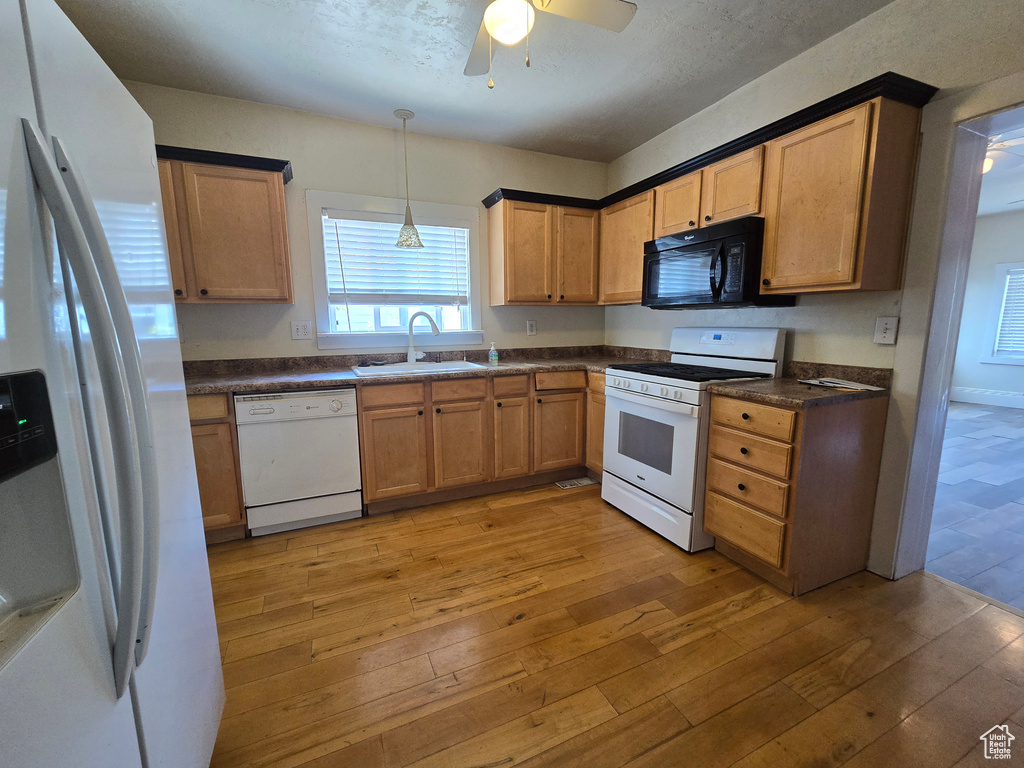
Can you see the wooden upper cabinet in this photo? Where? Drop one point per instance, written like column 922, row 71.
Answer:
column 731, row 188
column 171, row 224
column 462, row 443
column 837, row 201
column 677, row 205
column 528, row 250
column 238, row 234
column 577, row 236
column 625, row 227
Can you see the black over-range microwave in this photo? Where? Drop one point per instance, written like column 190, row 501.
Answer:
column 714, row 266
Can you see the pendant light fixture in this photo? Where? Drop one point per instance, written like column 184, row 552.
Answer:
column 409, row 236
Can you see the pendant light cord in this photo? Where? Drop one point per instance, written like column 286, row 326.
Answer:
column 405, row 147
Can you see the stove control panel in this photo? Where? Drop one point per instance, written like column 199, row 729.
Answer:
column 654, row 389
column 718, row 338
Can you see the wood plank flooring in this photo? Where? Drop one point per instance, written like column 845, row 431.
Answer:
column 545, row 628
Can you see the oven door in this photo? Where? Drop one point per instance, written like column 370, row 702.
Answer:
column 684, row 276
column 652, row 443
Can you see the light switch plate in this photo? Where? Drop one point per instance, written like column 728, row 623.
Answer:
column 885, row 330
column 302, row 329
column 531, row 327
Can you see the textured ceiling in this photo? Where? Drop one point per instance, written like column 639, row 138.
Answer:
column 589, row 94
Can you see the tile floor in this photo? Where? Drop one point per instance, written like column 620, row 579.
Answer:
column 977, row 535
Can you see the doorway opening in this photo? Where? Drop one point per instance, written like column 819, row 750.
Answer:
column 976, row 537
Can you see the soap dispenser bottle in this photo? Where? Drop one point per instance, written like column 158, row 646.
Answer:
column 492, row 356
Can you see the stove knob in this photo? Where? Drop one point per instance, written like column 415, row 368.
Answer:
column 625, row 383
column 677, row 395
column 335, row 406
column 664, row 391
column 644, row 387
column 616, row 382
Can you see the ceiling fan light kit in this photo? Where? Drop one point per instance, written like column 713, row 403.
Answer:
column 509, row 21
column 408, row 235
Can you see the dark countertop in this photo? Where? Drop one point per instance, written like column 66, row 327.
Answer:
column 790, row 393
column 280, row 381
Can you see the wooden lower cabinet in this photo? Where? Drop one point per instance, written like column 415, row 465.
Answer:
column 595, row 422
column 462, row 443
column 791, row 491
column 395, row 457
column 558, row 430
column 215, row 446
column 511, row 437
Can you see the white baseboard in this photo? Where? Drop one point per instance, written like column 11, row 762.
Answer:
column 987, row 397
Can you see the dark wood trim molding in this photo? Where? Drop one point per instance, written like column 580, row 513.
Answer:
column 889, row 85
column 284, row 167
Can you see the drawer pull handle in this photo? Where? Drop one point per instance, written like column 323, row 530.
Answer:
column 743, row 451
column 742, row 487
column 746, row 416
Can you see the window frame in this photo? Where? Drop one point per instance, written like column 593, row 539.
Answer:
column 389, row 209
column 988, row 353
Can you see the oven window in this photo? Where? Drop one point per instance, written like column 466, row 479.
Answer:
column 646, row 441
column 676, row 274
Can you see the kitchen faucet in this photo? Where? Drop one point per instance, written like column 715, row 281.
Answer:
column 413, row 355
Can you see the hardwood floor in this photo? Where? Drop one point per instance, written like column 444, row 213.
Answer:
column 545, row 628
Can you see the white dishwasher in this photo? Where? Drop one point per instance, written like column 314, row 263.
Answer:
column 299, row 455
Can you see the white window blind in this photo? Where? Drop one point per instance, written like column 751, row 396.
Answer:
column 1010, row 333
column 364, row 266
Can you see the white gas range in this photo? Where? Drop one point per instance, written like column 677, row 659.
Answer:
column 656, row 425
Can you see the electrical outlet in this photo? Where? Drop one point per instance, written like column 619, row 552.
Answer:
column 302, row 330
column 885, row 330
column 531, row 327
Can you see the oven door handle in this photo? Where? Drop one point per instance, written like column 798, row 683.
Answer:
column 683, row 409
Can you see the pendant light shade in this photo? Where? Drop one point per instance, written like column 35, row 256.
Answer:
column 408, row 236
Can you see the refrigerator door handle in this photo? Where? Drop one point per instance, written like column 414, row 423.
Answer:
column 115, row 396
column 117, row 302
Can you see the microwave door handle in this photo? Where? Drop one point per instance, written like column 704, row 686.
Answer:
column 716, row 286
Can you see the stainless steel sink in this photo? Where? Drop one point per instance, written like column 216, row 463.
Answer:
column 397, row 369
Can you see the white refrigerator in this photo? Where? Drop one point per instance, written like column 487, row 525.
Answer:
column 109, row 655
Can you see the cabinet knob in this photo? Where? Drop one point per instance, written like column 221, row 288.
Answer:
column 742, row 487
column 437, row 410
column 539, row 400
column 203, row 291
column 499, row 405
column 693, row 223
column 746, row 416
column 178, row 291
column 707, row 218
column 562, row 296
column 766, row 281
column 549, row 295
column 743, row 451
column 419, row 413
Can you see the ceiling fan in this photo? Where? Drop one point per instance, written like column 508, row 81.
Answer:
column 509, row 21
column 1005, row 149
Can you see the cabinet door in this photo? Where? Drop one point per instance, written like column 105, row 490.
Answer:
column 462, row 443
column 677, row 205
column 217, row 472
column 595, row 431
column 528, row 257
column 576, row 246
column 558, row 431
column 731, row 188
column 395, row 455
column 511, row 437
column 625, row 227
column 171, row 223
column 238, row 234
column 814, row 194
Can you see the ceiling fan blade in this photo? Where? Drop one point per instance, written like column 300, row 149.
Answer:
column 609, row 14
column 1006, row 160
column 479, row 62
column 1003, row 143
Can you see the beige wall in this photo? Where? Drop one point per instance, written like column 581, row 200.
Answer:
column 957, row 46
column 998, row 239
column 343, row 156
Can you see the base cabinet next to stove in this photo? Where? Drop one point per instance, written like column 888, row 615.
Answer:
column 790, row 492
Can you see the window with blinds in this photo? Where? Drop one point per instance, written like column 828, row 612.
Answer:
column 373, row 286
column 1010, row 330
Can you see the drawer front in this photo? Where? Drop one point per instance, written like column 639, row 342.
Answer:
column 458, row 389
column 753, row 417
column 511, row 386
column 595, row 382
column 749, row 487
column 560, row 380
column 750, row 451
column 754, row 533
column 206, row 407
column 385, row 395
